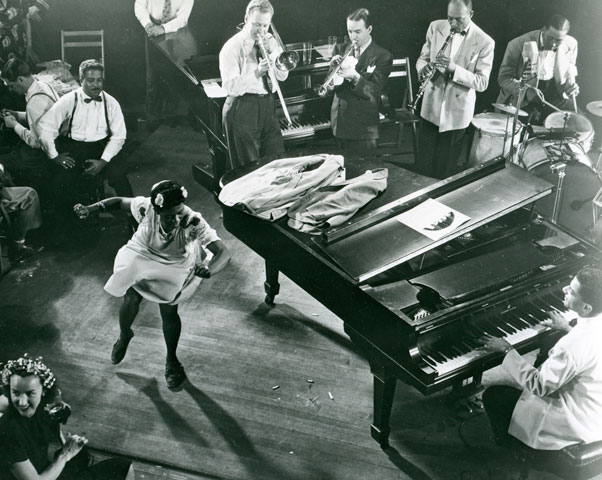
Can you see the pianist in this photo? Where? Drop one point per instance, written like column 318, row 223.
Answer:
column 354, row 113
column 561, row 402
column 249, row 114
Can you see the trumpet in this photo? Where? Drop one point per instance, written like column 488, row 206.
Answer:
column 332, row 79
column 286, row 61
column 427, row 78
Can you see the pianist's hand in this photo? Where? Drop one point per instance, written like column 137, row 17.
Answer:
column 495, row 344
column 557, row 322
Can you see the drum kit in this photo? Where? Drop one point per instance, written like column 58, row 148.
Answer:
column 556, row 151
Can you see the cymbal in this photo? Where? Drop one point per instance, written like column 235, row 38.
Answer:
column 595, row 108
column 511, row 109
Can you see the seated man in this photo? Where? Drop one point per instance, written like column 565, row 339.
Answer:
column 560, row 403
column 26, row 163
column 553, row 74
column 94, row 133
column 23, row 207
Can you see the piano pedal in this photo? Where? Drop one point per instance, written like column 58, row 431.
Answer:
column 463, row 400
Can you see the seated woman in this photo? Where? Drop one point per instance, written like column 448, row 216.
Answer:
column 32, row 445
column 163, row 262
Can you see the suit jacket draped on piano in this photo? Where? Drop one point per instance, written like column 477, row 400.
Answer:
column 354, row 113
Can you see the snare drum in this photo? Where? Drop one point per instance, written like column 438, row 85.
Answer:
column 488, row 140
column 575, row 122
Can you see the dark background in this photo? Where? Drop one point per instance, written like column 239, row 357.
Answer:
column 399, row 25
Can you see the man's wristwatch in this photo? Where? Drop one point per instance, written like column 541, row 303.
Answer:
column 508, row 349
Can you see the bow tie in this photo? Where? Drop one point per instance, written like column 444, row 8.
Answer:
column 95, row 99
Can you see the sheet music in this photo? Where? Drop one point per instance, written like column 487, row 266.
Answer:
column 214, row 89
column 433, row 219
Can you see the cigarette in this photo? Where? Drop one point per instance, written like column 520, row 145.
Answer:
column 309, row 380
column 330, row 395
column 275, row 387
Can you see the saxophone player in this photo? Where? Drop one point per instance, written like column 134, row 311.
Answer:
column 458, row 71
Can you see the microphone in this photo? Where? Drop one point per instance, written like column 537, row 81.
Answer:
column 530, row 54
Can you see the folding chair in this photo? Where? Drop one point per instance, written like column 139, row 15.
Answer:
column 83, row 39
column 400, row 114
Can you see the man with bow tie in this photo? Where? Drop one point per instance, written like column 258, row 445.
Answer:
column 82, row 134
column 553, row 74
column 460, row 70
column 354, row 116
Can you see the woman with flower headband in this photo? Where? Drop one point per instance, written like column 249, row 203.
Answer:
column 32, row 445
column 163, row 262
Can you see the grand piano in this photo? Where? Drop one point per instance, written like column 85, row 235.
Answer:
column 417, row 307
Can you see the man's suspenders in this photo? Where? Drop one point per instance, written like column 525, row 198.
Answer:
column 109, row 133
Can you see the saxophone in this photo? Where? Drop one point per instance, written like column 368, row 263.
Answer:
column 426, row 79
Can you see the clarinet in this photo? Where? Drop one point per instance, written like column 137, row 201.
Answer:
column 427, row 77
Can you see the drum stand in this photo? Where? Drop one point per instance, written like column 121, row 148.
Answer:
column 559, row 168
column 514, row 158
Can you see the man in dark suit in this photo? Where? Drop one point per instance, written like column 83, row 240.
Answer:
column 354, row 114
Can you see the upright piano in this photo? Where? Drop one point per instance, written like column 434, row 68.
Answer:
column 416, row 306
column 179, row 61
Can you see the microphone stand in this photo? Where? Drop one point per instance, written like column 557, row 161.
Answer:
column 559, row 168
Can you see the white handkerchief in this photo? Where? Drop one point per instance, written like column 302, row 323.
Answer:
column 370, row 68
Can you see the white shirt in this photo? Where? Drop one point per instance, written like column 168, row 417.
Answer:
column 561, row 403
column 89, row 123
column 180, row 11
column 39, row 97
column 363, row 47
column 546, row 61
column 456, row 42
column 238, row 62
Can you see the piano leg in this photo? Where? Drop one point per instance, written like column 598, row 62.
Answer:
column 384, row 390
column 271, row 285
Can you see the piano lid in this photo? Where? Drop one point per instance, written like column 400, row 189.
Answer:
column 383, row 245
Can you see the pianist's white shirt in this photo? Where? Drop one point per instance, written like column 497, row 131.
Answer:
column 561, row 403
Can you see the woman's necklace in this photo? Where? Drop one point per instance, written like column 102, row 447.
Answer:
column 163, row 233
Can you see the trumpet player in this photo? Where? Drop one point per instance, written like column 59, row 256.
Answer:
column 458, row 71
column 249, row 113
column 354, row 113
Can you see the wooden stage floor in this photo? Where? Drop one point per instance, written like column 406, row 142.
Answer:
column 229, row 421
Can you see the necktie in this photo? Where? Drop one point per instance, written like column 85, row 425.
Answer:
column 265, row 78
column 166, row 15
column 356, row 52
column 95, row 99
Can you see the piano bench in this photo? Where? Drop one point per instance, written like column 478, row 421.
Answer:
column 576, row 462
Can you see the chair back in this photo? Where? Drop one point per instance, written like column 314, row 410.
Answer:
column 83, row 39
column 399, row 85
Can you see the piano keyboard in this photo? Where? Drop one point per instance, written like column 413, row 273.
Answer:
column 515, row 325
column 305, row 128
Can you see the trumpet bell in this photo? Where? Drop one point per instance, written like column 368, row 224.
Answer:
column 287, row 61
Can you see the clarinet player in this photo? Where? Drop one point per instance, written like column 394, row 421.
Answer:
column 458, row 65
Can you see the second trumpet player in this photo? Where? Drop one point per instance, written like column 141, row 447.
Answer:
column 355, row 107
